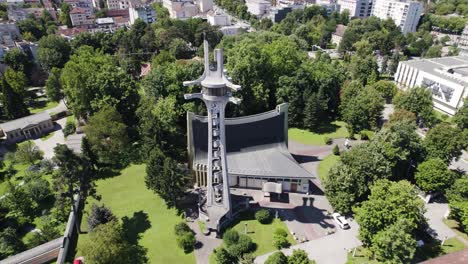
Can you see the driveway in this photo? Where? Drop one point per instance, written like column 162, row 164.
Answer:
column 331, row 249
column 435, row 215
column 48, row 145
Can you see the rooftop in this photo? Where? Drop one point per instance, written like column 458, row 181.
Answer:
column 24, row 122
column 453, row 69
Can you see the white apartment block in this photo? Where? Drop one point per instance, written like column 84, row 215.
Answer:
column 356, row 8
column 138, row 10
column 405, row 13
column 181, row 9
column 446, row 77
column 258, row 7
column 463, row 41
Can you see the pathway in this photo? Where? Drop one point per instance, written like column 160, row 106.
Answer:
column 332, row 249
column 48, row 145
column 205, row 244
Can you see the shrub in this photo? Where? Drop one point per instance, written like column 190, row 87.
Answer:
column 336, row 150
column 181, row 228
column 299, row 256
column 243, row 245
column 223, row 257
column 263, row 216
column 364, row 136
column 328, row 140
column 277, row 258
column 99, row 215
column 281, row 232
column 247, row 259
column 230, row 237
column 186, row 241
column 69, row 129
column 280, row 239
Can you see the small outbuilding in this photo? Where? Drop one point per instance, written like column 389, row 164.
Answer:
column 28, row 127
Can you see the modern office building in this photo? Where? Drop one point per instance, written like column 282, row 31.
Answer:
column 447, row 78
column 356, row 8
column 405, row 13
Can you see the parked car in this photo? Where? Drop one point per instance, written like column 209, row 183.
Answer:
column 340, row 220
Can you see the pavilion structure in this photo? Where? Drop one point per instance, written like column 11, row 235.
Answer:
column 215, row 204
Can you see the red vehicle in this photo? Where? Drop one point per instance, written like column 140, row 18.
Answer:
column 78, row 260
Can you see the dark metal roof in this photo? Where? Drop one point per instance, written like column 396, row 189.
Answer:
column 256, row 145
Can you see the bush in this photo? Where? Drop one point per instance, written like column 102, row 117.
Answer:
column 69, row 129
column 99, row 215
column 223, row 257
column 336, row 150
column 186, row 241
column 230, row 237
column 247, row 259
column 38, row 189
column 328, row 140
column 280, row 239
column 281, row 232
column 277, row 258
column 243, row 245
column 299, row 256
column 263, row 216
column 364, row 136
column 181, row 228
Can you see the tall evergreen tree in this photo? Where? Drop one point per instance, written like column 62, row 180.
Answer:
column 13, row 104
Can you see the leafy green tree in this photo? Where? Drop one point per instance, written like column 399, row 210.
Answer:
column 107, row 244
column 30, row 29
column 445, row 142
column 417, row 100
column 47, row 233
column 10, row 242
column 387, row 89
column 434, row 52
column 53, row 86
column 280, row 239
column 384, row 208
column 315, row 109
column 186, row 241
column 277, row 258
column 299, row 256
column 458, row 201
column 99, row 215
column 433, row 176
column 394, row 244
column 17, row 81
column 402, row 115
column 17, row 60
column 165, row 177
column 53, row 51
column 180, row 49
column 107, row 135
column 19, row 204
column 363, row 66
column 28, row 153
column 222, row 256
column 92, row 81
column 243, row 246
column 38, row 189
column 461, row 117
column 65, row 19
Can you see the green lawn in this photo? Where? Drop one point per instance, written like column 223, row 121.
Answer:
column 336, row 129
column 20, row 172
column 126, row 195
column 47, row 136
column 455, row 226
column 325, row 165
column 42, row 108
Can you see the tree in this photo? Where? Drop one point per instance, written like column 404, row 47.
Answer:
column 186, row 241
column 100, row 215
column 314, row 110
column 363, row 66
column 165, row 177
column 394, row 244
column 17, row 81
column 107, row 244
column 38, row 189
column 445, row 142
column 222, row 256
column 181, row 228
column 433, row 176
column 277, row 258
column 417, row 100
column 53, row 86
column 387, row 89
column 384, row 207
column 28, row 153
column 179, row 49
column 10, row 242
column 230, row 237
column 53, row 51
column 19, row 204
column 280, row 239
column 458, row 201
column 402, row 115
column 65, row 19
column 299, row 256
column 17, row 60
column 107, row 135
column 47, row 233
column 461, row 117
column 434, row 52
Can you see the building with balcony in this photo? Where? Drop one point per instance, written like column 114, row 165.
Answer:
column 356, row 8
column 404, row 13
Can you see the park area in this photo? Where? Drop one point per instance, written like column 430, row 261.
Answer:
column 129, row 199
column 336, row 129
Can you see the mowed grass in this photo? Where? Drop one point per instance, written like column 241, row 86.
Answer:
column 326, row 164
column 336, row 129
column 20, row 172
column 48, row 105
column 127, row 194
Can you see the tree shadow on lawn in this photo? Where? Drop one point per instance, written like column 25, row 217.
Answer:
column 325, row 128
column 135, row 226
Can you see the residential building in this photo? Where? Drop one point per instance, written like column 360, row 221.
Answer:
column 446, row 77
column 70, row 33
column 29, row 127
column 139, row 10
column 405, row 13
column 113, row 4
column 356, row 8
column 258, row 7
column 232, row 30
column 279, row 13
column 181, row 9
column 205, row 5
column 463, row 41
column 218, row 19
column 337, row 36
column 9, row 29
column 16, row 13
column 80, row 16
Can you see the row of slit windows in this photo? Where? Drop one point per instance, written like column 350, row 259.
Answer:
column 20, row 133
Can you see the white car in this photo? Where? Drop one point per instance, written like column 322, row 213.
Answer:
column 340, row 220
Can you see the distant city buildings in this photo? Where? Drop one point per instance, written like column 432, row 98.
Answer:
column 337, row 36
column 181, row 9
column 258, row 7
column 139, row 10
column 405, row 13
column 356, row 8
column 463, row 42
column 218, row 19
column 446, row 77
column 81, row 16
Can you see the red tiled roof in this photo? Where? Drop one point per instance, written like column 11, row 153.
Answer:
column 459, row 257
column 78, row 10
column 70, row 32
column 340, row 29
